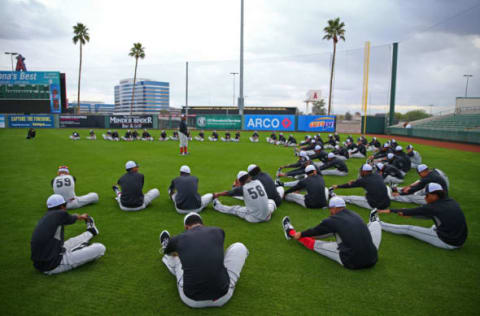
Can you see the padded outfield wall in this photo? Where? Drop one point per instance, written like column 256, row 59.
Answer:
column 437, row 134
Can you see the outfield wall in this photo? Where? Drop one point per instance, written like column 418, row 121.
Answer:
column 437, row 134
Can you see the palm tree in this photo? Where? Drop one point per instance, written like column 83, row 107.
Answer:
column 136, row 51
column 81, row 36
column 335, row 30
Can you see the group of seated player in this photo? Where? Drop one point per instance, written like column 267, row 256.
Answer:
column 206, row 274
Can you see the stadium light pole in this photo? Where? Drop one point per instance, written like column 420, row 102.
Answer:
column 241, row 99
column 466, row 86
column 234, row 74
column 11, row 56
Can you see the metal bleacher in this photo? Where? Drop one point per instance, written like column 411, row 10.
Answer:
column 458, row 122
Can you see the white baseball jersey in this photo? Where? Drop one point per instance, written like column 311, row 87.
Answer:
column 255, row 198
column 65, row 186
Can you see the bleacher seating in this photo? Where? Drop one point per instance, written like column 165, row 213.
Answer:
column 458, row 122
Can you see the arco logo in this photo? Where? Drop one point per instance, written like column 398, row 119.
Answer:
column 286, row 123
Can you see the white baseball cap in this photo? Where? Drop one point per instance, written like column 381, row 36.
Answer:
column 330, row 155
column 337, row 146
column 55, row 200
column 185, row 169
column 130, row 164
column 241, row 174
column 251, row 167
column 190, row 215
column 313, row 141
column 318, row 147
column 336, row 202
column 303, row 154
column 421, row 168
column 390, row 156
column 63, row 169
column 398, row 148
column 379, row 166
column 432, row 187
column 386, row 145
column 310, row 168
column 366, row 167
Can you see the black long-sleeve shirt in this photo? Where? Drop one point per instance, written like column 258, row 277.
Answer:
column 315, row 186
column 187, row 197
column 320, row 155
column 356, row 247
column 342, row 151
column 406, row 163
column 47, row 239
column 360, row 148
column 183, row 127
column 273, row 136
column 432, row 176
column 145, row 135
column 201, row 252
column 282, row 138
column 389, row 170
column 331, row 141
column 291, row 140
column 377, row 194
column 375, row 143
column 335, row 163
column 269, row 186
column 132, row 185
column 448, row 217
column 215, row 135
column 382, row 153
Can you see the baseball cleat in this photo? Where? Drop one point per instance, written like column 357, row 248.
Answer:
column 164, row 239
column 374, row 216
column 215, row 202
column 287, row 226
column 91, row 226
column 331, row 193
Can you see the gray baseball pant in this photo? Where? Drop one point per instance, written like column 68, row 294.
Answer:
column 206, row 199
column 245, row 213
column 147, row 199
column 334, row 172
column 80, row 201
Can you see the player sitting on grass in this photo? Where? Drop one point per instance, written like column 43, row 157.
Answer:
column 31, row 133
column 450, row 228
column 281, row 140
column 376, row 195
column 49, row 253
column 183, row 191
column 415, row 192
column 274, row 192
column 341, row 152
column 389, row 173
column 319, row 154
column 163, row 136
column 317, row 194
column 91, row 135
column 359, row 150
column 131, row 197
column 200, row 137
column 206, row 274
column 108, row 135
column 374, row 145
column 309, row 148
column 64, row 184
column 258, row 207
column 254, row 137
column 146, row 135
column 115, row 136
column 237, row 137
column 381, row 154
column 414, row 156
column 213, row 137
column 272, row 139
column 291, row 141
column 227, row 137
column 174, row 136
column 356, row 245
column 134, row 135
column 331, row 142
column 300, row 165
column 75, row 136
column 334, row 166
column 128, row 136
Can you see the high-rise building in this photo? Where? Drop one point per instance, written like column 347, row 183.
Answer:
column 150, row 96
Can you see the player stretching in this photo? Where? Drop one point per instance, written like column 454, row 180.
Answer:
column 91, row 135
column 356, row 245
column 254, row 137
column 146, row 135
column 75, row 136
column 317, row 194
column 206, row 274
column 64, row 184
column 49, row 253
column 200, row 137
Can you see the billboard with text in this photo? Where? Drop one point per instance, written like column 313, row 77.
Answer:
column 134, row 121
column 269, row 122
column 35, row 121
column 218, row 122
column 316, row 123
column 75, row 121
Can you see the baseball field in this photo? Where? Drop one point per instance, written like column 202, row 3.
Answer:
column 280, row 277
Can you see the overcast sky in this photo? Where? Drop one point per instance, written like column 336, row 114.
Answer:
column 285, row 56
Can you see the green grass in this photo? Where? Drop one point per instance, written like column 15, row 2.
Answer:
column 280, row 277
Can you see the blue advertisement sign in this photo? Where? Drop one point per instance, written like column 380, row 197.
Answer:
column 2, row 121
column 316, row 123
column 269, row 122
column 32, row 85
column 35, row 121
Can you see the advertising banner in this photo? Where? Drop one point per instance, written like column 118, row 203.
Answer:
column 134, row 121
column 2, row 121
column 75, row 121
column 32, row 85
column 270, row 122
column 35, row 121
column 316, row 123
column 219, row 122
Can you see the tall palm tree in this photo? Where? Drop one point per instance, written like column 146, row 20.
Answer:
column 136, row 51
column 334, row 30
column 81, row 36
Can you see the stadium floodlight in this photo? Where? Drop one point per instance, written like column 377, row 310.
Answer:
column 11, row 56
column 466, row 86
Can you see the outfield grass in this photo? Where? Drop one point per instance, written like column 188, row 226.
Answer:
column 280, row 277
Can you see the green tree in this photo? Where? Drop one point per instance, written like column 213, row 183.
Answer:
column 348, row 116
column 415, row 115
column 333, row 31
column 80, row 36
column 136, row 51
column 318, row 107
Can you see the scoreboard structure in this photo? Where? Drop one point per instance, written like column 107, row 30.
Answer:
column 32, row 92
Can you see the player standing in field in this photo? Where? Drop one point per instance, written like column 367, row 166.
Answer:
column 49, row 253
column 64, row 185
column 356, row 245
column 206, row 274
column 183, row 134
column 258, row 208
column 183, row 191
